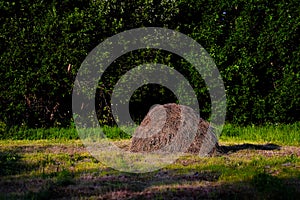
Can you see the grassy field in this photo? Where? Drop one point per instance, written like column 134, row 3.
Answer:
column 283, row 134
column 256, row 163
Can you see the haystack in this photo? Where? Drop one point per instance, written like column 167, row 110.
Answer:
column 173, row 127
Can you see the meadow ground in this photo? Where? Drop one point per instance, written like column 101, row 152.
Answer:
column 63, row 169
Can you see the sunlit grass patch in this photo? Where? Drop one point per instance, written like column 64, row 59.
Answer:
column 283, row 134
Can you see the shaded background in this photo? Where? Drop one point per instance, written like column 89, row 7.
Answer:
column 255, row 46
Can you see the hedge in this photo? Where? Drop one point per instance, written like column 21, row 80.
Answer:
column 255, row 45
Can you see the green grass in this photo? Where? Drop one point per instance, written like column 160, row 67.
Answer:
column 283, row 134
column 16, row 133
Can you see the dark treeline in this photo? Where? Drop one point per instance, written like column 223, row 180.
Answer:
column 255, row 45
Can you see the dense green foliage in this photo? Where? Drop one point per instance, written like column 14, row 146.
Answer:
column 255, row 45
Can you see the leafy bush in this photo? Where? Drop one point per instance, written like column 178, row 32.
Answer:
column 2, row 128
column 254, row 44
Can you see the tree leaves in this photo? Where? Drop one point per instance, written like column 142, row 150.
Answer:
column 255, row 46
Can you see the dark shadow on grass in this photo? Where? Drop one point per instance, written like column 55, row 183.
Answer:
column 172, row 184
column 104, row 186
column 11, row 163
column 239, row 147
column 260, row 187
column 50, row 148
column 161, row 184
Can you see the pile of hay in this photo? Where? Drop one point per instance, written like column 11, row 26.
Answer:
column 168, row 127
